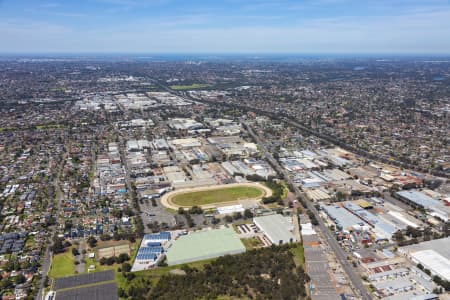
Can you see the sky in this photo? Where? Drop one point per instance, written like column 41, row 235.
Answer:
column 225, row 26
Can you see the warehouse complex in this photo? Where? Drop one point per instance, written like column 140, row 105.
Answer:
column 277, row 228
column 204, row 245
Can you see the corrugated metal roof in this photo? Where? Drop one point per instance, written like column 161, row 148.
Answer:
column 433, row 261
column 276, row 227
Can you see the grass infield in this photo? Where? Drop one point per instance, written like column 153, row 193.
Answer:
column 217, row 196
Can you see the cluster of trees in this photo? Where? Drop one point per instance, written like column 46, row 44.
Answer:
column 139, row 226
column 235, row 216
column 268, row 273
column 9, row 282
column 277, row 192
column 414, row 235
column 187, row 215
column 117, row 236
column 138, row 223
column 196, row 210
column 123, row 257
column 138, row 289
column 312, row 217
column 155, row 226
column 14, row 264
column 117, row 213
column 255, row 177
column 59, row 245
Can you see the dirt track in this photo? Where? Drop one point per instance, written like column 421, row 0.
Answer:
column 166, row 199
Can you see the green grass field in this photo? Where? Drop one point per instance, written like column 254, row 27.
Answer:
column 194, row 86
column 62, row 264
column 217, row 196
column 299, row 254
column 251, row 243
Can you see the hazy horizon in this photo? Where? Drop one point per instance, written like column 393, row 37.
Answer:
column 254, row 27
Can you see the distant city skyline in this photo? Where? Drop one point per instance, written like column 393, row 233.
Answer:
column 226, row 27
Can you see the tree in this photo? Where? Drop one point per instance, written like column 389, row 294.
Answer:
column 68, row 225
column 196, row 210
column 228, row 219
column 105, row 237
column 5, row 284
column 413, row 232
column 237, row 216
column 111, row 260
column 248, row 214
column 92, row 241
column 340, row 196
column 398, row 236
column 126, row 267
column 130, row 276
column 20, row 278
column 75, row 252
column 58, row 246
column 122, row 258
column 121, row 293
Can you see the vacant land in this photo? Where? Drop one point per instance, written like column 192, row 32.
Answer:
column 299, row 255
column 194, row 86
column 63, row 264
column 217, row 196
column 252, row 243
column 114, row 250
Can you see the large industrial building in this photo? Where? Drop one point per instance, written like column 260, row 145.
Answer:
column 277, row 228
column 382, row 229
column 344, row 220
column 434, row 255
column 204, row 245
column 421, row 200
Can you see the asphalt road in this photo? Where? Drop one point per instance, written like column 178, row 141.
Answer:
column 47, row 262
column 340, row 254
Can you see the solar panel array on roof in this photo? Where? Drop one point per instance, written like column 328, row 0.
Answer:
column 153, row 244
column 151, row 256
column 162, row 236
column 147, row 250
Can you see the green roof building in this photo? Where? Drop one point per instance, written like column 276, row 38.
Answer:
column 204, row 245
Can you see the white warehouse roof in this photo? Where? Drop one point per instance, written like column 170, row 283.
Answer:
column 433, row 261
column 276, row 227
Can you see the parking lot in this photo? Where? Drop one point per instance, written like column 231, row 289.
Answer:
column 159, row 213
